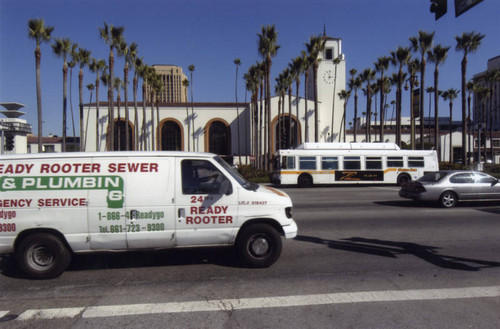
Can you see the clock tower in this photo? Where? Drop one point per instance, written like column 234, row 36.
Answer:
column 331, row 80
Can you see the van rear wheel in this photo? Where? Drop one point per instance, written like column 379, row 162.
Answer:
column 259, row 245
column 42, row 256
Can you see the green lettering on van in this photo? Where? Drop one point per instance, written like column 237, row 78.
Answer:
column 113, row 184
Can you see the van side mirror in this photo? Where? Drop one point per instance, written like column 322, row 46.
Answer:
column 225, row 187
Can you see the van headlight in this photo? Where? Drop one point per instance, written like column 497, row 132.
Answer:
column 288, row 212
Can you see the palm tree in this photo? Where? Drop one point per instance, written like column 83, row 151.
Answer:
column 307, row 65
column 185, row 84
column 367, row 77
column 400, row 57
column 118, row 85
column 429, row 90
column 492, row 76
column 268, row 48
column 137, row 65
column 237, row 62
column 96, row 66
column 90, row 87
column 468, row 43
column 344, row 95
column 450, row 95
column 83, row 57
column 471, row 87
column 335, row 61
column 413, row 66
column 252, row 85
column 297, row 68
column 40, row 33
column 62, row 48
column 288, row 80
column 314, row 48
column 381, row 66
column 191, row 70
column 422, row 44
column 128, row 52
column 438, row 56
column 113, row 37
column 355, row 84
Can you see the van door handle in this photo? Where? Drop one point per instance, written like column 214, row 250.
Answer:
column 181, row 213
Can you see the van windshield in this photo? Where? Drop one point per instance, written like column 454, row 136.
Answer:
column 236, row 175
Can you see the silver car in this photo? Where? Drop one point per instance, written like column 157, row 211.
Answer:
column 450, row 187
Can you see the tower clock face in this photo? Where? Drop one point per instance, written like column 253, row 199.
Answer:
column 329, row 77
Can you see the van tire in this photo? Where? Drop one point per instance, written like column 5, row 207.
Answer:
column 259, row 245
column 42, row 256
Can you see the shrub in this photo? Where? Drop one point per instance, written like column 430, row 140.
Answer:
column 253, row 174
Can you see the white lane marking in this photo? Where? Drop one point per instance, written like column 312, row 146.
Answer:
column 396, row 189
column 3, row 313
column 51, row 313
column 262, row 302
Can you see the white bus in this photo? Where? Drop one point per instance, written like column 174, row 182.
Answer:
column 351, row 163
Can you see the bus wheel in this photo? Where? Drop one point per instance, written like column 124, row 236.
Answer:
column 403, row 179
column 42, row 256
column 259, row 245
column 305, row 180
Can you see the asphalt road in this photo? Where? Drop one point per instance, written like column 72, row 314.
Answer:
column 364, row 258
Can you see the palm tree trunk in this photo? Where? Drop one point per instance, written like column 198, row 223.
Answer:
column 65, row 105
column 38, row 58
column 436, row 112
column 97, row 113
column 80, row 93
column 125, row 80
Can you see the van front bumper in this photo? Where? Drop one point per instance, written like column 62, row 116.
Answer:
column 290, row 230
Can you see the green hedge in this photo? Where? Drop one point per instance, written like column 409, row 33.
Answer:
column 253, row 174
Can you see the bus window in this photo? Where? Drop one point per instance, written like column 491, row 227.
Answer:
column 288, row 162
column 417, row 162
column 395, row 162
column 352, row 163
column 373, row 163
column 328, row 163
column 308, row 163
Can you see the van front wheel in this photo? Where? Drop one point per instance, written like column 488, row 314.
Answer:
column 42, row 256
column 259, row 245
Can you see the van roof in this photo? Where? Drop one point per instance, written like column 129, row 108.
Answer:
column 117, row 154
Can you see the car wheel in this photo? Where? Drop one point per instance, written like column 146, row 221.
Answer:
column 42, row 256
column 448, row 199
column 259, row 245
column 305, row 180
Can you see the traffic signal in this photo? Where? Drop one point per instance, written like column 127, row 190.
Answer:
column 9, row 141
column 439, row 8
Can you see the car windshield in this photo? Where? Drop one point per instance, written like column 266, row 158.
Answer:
column 432, row 177
column 236, row 175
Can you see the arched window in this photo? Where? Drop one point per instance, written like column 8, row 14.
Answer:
column 219, row 138
column 120, row 136
column 285, row 133
column 171, row 136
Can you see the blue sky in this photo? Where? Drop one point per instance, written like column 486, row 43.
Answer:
column 211, row 33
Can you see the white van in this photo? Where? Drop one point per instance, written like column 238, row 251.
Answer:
column 53, row 205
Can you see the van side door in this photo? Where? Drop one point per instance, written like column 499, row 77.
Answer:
column 206, row 203
column 106, row 208
column 150, row 211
